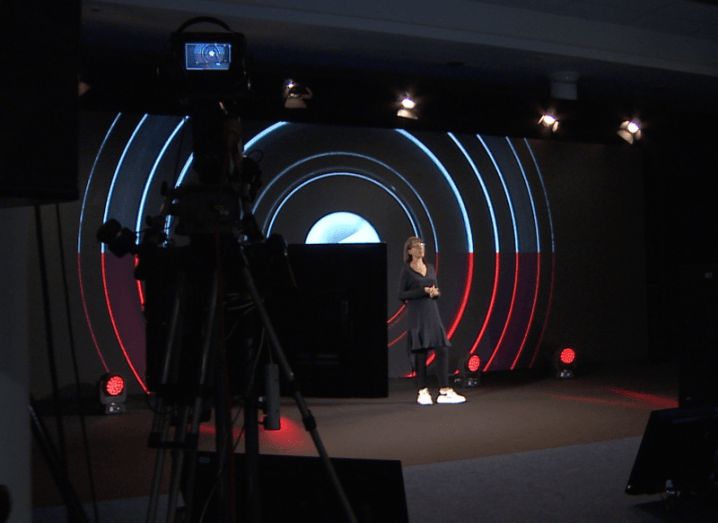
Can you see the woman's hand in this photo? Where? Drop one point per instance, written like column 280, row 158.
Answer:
column 432, row 291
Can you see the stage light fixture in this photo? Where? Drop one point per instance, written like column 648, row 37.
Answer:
column 564, row 362
column 82, row 86
column 408, row 103
column 407, row 109
column 549, row 121
column 470, row 371
column 112, row 393
column 630, row 131
column 295, row 95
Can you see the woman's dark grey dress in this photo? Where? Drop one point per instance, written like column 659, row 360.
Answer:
column 424, row 329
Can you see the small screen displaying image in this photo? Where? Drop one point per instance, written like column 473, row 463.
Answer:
column 208, row 56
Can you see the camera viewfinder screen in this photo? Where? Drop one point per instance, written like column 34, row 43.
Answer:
column 207, row 56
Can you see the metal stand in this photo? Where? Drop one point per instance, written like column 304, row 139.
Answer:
column 75, row 512
column 185, row 415
column 308, row 419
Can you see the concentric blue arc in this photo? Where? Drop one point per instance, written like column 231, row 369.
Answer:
column 116, row 174
column 153, row 171
column 180, row 180
column 450, row 181
column 330, row 175
column 89, row 180
column 490, row 204
column 364, row 157
column 259, row 136
column 545, row 194
column 186, row 168
column 528, row 191
column 506, row 191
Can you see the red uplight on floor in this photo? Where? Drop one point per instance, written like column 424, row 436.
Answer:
column 112, row 392
column 474, row 363
column 568, row 356
column 115, row 385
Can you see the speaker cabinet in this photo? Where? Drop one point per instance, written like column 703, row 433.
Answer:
column 39, row 102
column 699, row 337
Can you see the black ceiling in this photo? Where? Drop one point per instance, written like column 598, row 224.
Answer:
column 356, row 75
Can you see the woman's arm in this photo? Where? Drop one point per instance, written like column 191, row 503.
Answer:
column 407, row 291
column 432, row 291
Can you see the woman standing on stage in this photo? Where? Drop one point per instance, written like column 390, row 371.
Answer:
column 425, row 332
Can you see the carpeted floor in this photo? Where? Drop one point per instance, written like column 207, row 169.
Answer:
column 576, row 484
column 519, row 446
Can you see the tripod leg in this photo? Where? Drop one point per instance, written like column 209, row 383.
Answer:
column 188, row 430
column 178, row 455
column 161, row 420
column 184, row 446
column 161, row 428
column 251, row 439
column 308, row 419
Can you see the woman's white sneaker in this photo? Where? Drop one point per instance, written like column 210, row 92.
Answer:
column 449, row 396
column 424, row 398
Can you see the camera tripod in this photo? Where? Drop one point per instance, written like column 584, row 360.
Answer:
column 182, row 401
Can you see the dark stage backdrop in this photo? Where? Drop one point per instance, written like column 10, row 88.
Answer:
column 536, row 243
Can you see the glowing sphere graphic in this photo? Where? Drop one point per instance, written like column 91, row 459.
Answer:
column 342, row 227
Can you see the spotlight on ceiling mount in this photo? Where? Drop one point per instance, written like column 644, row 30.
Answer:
column 82, row 86
column 630, row 131
column 408, row 103
column 295, row 95
column 407, row 109
column 549, row 121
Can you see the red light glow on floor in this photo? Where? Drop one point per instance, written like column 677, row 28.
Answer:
column 658, row 401
column 290, row 437
column 638, row 400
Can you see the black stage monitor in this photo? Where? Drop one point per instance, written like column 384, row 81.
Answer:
column 297, row 488
column 679, row 445
column 331, row 325
column 333, row 330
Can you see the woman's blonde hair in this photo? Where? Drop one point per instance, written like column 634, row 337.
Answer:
column 407, row 245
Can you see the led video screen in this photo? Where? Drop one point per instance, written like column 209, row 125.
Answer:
column 534, row 242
